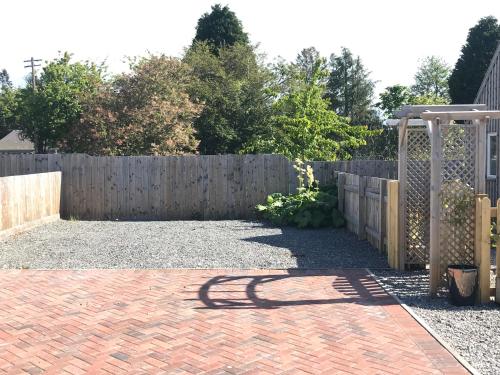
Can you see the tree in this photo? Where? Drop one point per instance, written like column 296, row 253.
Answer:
column 385, row 146
column 350, row 88
column 5, row 81
column 477, row 52
column 234, row 87
column 393, row 98
column 220, row 28
column 431, row 79
column 306, row 62
column 47, row 114
column 8, row 104
column 303, row 126
column 145, row 112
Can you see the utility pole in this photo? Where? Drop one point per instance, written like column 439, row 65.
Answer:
column 33, row 63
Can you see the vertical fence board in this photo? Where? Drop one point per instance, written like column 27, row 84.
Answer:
column 27, row 200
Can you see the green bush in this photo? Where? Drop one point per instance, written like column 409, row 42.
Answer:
column 310, row 207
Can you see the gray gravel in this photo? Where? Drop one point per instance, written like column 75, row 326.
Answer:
column 184, row 244
column 474, row 332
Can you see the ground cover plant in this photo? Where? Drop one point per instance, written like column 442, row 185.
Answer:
column 311, row 206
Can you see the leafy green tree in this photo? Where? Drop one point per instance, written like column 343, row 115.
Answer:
column 220, row 28
column 350, row 88
column 393, row 98
column 145, row 112
column 303, row 126
column 9, row 101
column 431, row 79
column 477, row 52
column 47, row 114
column 234, row 85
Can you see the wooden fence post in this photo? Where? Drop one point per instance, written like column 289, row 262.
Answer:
column 482, row 246
column 362, row 208
column 392, row 222
column 341, row 191
column 382, row 214
column 435, row 208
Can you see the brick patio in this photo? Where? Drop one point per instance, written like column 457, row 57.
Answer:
column 213, row 322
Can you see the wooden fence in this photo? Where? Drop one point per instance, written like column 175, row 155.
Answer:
column 370, row 207
column 170, row 187
column 28, row 200
column 387, row 169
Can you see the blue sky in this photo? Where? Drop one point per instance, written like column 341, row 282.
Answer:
column 390, row 36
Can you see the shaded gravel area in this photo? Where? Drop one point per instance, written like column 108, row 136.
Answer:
column 474, row 332
column 184, row 244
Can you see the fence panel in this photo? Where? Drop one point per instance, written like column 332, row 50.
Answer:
column 28, row 199
column 370, row 207
column 174, row 187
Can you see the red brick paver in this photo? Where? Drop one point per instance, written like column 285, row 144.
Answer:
column 213, row 322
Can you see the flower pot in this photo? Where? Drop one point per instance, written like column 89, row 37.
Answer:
column 462, row 284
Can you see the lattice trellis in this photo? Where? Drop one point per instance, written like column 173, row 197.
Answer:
column 416, row 203
column 458, row 143
column 442, row 176
column 458, row 179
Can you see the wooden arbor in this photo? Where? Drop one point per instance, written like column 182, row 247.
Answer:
column 442, row 159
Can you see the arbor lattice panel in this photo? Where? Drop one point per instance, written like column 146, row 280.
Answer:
column 458, row 179
column 417, row 206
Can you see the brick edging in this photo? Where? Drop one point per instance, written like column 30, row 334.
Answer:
column 424, row 325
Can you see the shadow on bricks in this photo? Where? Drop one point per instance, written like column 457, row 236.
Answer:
column 264, row 291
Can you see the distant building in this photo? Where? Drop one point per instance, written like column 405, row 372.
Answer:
column 489, row 94
column 13, row 143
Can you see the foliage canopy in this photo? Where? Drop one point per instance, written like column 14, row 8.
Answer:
column 350, row 88
column 8, row 104
column 431, row 79
column 234, row 87
column 220, row 28
column 48, row 113
column 303, row 126
column 477, row 52
column 145, row 112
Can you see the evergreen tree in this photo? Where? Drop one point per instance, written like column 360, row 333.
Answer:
column 220, row 28
column 350, row 88
column 306, row 62
column 431, row 79
column 477, row 52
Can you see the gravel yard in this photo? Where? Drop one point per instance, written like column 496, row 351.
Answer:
column 472, row 331
column 184, row 244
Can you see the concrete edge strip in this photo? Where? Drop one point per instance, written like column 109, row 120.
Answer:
column 431, row 331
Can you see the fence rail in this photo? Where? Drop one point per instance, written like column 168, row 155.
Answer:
column 170, row 187
column 28, row 200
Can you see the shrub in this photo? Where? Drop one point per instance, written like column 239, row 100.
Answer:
column 310, row 207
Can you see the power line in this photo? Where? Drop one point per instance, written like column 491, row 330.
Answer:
column 33, row 64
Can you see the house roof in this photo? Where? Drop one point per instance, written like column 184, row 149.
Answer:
column 14, row 142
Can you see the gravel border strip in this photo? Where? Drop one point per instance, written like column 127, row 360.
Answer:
column 424, row 324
